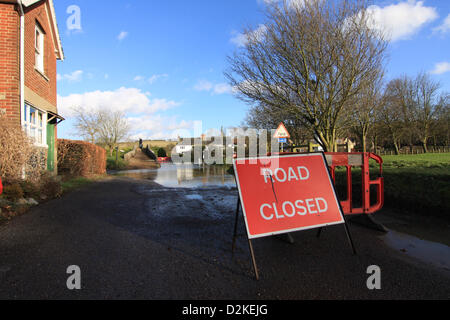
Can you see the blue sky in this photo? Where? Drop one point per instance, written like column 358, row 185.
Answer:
column 162, row 62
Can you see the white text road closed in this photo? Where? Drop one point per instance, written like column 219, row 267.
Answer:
column 290, row 209
column 285, row 175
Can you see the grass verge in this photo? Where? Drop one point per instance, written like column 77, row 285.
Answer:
column 79, row 182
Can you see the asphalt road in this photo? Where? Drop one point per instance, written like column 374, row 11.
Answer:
column 138, row 240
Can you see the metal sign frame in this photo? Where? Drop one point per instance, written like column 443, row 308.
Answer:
column 319, row 227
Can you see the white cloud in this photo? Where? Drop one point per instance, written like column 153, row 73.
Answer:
column 222, row 88
column 71, row 77
column 159, row 127
column 203, row 85
column 122, row 35
column 241, row 39
column 267, row 2
column 153, row 78
column 219, row 88
column 402, row 20
column 440, row 68
column 156, row 77
column 444, row 27
column 128, row 100
column 291, row 3
column 145, row 115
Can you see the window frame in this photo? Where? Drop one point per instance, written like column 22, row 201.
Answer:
column 38, row 127
column 39, row 48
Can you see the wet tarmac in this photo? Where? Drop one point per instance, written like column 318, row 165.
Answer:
column 212, row 190
column 167, row 234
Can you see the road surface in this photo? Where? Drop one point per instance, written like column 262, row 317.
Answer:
column 135, row 239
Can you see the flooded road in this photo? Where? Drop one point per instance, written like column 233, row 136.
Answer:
column 168, row 234
column 184, row 176
column 208, row 193
column 433, row 253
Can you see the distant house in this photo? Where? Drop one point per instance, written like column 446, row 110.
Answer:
column 345, row 144
column 29, row 49
column 182, row 148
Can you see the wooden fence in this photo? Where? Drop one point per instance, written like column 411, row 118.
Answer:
column 415, row 150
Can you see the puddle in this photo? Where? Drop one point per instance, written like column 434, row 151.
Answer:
column 194, row 197
column 184, row 176
column 434, row 253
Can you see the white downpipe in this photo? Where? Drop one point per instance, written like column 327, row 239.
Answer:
column 22, row 70
column 22, row 62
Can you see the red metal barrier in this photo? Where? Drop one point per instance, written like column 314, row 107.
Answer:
column 356, row 159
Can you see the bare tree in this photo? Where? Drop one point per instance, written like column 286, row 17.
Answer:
column 87, row 123
column 309, row 61
column 367, row 106
column 264, row 117
column 113, row 127
column 440, row 129
column 391, row 113
column 418, row 103
column 428, row 102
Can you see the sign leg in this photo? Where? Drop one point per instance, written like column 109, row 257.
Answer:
column 235, row 226
column 349, row 237
column 319, row 231
column 255, row 267
column 290, row 239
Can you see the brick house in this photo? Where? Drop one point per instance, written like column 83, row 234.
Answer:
column 29, row 49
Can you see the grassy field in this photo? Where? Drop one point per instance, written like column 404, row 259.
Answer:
column 420, row 161
column 412, row 183
column 420, row 183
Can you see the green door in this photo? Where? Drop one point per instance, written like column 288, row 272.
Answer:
column 51, row 147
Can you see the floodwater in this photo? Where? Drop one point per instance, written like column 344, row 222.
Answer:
column 193, row 187
column 433, row 253
column 184, row 176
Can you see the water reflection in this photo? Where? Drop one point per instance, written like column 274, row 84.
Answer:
column 184, row 175
column 435, row 253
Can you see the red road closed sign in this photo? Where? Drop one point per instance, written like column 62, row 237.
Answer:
column 286, row 194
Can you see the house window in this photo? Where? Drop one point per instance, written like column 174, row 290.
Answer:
column 39, row 48
column 34, row 122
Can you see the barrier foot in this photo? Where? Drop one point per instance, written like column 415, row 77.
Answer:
column 368, row 221
column 287, row 237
